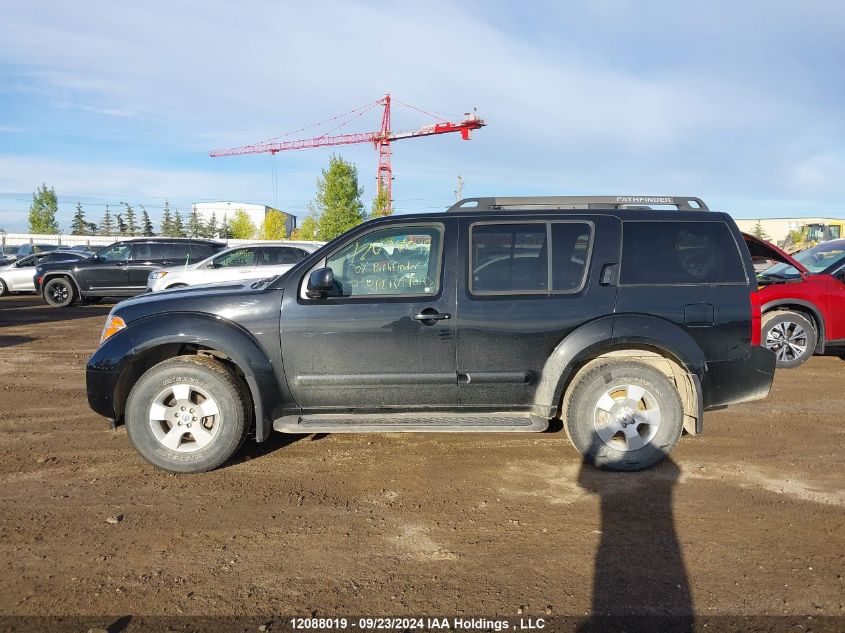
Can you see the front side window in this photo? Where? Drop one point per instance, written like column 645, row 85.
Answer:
column 237, row 257
column 116, row 253
column 390, row 262
column 666, row 253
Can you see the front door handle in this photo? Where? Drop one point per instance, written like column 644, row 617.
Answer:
column 431, row 315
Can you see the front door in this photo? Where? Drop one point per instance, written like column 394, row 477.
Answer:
column 526, row 285
column 106, row 272
column 386, row 340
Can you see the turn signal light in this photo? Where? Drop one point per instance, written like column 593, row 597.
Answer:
column 114, row 324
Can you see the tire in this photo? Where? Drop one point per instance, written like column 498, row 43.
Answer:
column 176, row 286
column 60, row 292
column 4, row 289
column 611, row 429
column 791, row 336
column 179, row 387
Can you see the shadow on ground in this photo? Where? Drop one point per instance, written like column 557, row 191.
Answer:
column 640, row 579
column 23, row 310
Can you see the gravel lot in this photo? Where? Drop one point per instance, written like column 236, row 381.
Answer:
column 749, row 519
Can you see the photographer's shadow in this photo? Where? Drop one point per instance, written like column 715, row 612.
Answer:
column 640, row 580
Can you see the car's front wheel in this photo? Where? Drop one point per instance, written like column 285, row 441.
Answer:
column 791, row 336
column 188, row 414
column 4, row 289
column 623, row 415
column 59, row 292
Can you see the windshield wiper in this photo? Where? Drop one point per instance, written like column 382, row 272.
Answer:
column 260, row 282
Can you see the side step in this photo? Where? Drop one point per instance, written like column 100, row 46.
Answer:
column 429, row 422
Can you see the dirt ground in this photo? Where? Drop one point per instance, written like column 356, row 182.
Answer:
column 749, row 519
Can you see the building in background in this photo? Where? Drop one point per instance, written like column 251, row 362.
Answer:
column 776, row 229
column 256, row 213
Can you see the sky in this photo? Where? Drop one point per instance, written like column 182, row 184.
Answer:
column 741, row 103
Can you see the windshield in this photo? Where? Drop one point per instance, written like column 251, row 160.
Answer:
column 816, row 260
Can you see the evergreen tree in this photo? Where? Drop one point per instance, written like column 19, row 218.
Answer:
column 195, row 224
column 177, row 230
column 337, row 206
column 78, row 225
column 146, row 223
column 107, row 225
column 759, row 232
column 121, row 224
column 242, row 226
column 211, row 228
column 225, row 229
column 42, row 211
column 129, row 219
column 166, row 221
column 381, row 204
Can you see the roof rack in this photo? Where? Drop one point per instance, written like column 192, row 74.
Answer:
column 532, row 203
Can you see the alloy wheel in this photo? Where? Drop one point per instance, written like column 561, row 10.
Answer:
column 184, row 418
column 787, row 340
column 627, row 417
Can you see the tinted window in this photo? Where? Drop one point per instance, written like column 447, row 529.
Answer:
column 43, row 248
column 179, row 252
column 237, row 257
column 276, row 255
column 151, row 251
column 679, row 253
column 32, row 260
column 509, row 258
column 58, row 256
column 394, row 261
column 571, row 242
column 116, row 253
column 201, row 251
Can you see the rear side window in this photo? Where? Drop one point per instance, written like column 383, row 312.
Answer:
column 516, row 258
column 178, row 251
column 277, row 255
column 151, row 251
column 201, row 251
column 661, row 253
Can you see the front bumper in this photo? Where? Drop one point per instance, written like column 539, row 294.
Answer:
column 103, row 373
column 731, row 382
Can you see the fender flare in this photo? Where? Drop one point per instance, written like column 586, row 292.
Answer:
column 817, row 315
column 49, row 274
column 607, row 334
column 213, row 332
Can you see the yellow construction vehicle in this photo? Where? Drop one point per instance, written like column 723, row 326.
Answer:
column 812, row 234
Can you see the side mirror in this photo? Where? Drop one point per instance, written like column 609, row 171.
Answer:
column 320, row 283
column 210, row 265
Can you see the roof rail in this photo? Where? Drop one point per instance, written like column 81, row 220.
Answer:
column 532, row 203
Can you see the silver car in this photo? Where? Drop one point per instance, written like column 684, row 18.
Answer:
column 238, row 263
column 17, row 276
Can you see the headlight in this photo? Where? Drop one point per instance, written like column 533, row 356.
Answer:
column 114, row 324
column 158, row 274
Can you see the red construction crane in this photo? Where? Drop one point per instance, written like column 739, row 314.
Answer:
column 380, row 139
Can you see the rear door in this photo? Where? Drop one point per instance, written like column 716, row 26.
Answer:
column 527, row 283
column 146, row 257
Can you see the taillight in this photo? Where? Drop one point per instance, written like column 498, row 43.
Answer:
column 756, row 319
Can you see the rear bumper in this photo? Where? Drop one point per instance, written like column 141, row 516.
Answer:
column 731, row 382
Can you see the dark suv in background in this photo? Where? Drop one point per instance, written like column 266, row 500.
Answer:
column 499, row 315
column 118, row 270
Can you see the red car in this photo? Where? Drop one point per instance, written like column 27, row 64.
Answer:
column 802, row 299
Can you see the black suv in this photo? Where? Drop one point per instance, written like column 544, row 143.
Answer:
column 118, row 270
column 500, row 315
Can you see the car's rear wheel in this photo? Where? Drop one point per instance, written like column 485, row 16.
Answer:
column 623, row 415
column 791, row 336
column 59, row 292
column 188, row 414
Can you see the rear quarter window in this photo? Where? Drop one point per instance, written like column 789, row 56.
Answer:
column 667, row 253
